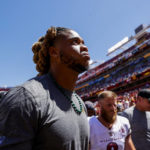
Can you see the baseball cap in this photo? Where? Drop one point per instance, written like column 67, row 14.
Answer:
column 145, row 93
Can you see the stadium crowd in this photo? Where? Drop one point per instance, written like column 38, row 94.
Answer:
column 126, row 74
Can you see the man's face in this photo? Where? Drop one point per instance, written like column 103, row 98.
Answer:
column 108, row 107
column 145, row 104
column 73, row 52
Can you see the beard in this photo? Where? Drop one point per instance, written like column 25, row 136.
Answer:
column 107, row 117
column 72, row 63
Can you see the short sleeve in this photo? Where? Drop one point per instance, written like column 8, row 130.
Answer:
column 126, row 122
column 128, row 127
column 18, row 120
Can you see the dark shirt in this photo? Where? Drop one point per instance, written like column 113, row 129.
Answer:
column 37, row 116
column 140, row 126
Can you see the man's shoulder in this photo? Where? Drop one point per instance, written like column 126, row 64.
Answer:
column 15, row 93
column 122, row 119
column 38, row 86
column 35, row 83
column 16, row 99
column 92, row 119
column 123, row 124
column 27, row 92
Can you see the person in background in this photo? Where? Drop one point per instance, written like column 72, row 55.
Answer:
column 139, row 118
column 133, row 101
column 45, row 113
column 90, row 108
column 108, row 130
column 126, row 103
column 119, row 109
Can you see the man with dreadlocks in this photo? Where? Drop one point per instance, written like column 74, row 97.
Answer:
column 45, row 113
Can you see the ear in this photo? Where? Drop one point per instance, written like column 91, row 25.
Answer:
column 53, row 52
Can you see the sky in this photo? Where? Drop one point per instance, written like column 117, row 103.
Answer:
column 101, row 23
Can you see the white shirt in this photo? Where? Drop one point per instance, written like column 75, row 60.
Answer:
column 101, row 138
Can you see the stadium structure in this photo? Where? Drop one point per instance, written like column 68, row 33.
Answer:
column 4, row 88
column 126, row 72
column 3, row 91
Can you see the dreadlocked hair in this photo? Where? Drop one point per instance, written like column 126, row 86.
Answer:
column 40, row 49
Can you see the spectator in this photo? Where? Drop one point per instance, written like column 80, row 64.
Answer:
column 119, row 109
column 126, row 104
column 139, row 118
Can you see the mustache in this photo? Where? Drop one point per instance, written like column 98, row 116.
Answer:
column 107, row 117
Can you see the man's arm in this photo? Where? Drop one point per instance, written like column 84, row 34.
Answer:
column 17, row 120
column 128, row 143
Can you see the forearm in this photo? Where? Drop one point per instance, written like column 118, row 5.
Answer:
column 129, row 144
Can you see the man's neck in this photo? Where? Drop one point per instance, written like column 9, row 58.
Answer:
column 106, row 124
column 65, row 78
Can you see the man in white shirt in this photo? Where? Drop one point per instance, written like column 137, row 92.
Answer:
column 109, row 131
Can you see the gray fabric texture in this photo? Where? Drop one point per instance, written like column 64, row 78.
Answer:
column 140, row 126
column 37, row 116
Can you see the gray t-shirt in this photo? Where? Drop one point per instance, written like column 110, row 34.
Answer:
column 140, row 126
column 37, row 116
